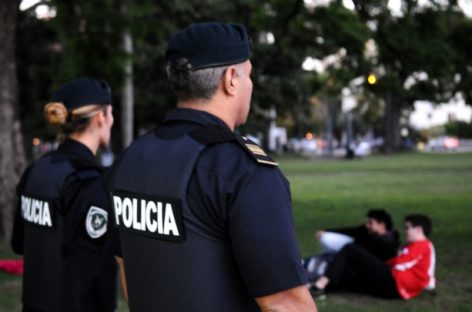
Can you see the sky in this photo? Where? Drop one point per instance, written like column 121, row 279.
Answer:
column 426, row 115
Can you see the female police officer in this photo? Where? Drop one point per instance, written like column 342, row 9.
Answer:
column 61, row 221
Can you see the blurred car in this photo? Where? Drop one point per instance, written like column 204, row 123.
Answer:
column 367, row 147
column 254, row 139
column 443, row 143
column 302, row 146
column 362, row 149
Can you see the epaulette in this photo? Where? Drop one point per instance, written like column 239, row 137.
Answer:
column 256, row 151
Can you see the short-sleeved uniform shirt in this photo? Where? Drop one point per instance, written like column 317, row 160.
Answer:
column 243, row 204
column 88, row 269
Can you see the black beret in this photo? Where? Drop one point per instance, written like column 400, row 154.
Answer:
column 83, row 91
column 207, row 45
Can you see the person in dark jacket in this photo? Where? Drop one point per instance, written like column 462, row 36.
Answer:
column 61, row 221
column 377, row 236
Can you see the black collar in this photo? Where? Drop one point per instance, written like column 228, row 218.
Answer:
column 79, row 154
column 195, row 116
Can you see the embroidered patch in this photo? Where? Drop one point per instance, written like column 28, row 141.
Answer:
column 96, row 222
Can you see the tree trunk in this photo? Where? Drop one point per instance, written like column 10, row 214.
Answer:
column 127, row 94
column 329, row 127
column 392, row 124
column 12, row 157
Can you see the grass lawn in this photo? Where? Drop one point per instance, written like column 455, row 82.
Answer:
column 331, row 193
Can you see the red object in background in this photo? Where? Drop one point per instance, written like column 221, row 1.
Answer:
column 451, row 142
column 14, row 267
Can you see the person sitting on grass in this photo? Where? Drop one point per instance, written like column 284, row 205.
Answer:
column 377, row 236
column 404, row 276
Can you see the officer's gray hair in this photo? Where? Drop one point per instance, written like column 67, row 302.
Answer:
column 198, row 84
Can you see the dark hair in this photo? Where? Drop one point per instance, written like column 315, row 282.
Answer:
column 382, row 216
column 421, row 220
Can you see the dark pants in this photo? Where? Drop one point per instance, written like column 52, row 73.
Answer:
column 355, row 269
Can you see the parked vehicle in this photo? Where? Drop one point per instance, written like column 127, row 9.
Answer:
column 302, row 146
column 443, row 143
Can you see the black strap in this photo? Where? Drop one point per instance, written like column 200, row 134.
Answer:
column 211, row 134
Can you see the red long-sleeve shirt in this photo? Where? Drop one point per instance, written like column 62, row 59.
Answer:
column 413, row 268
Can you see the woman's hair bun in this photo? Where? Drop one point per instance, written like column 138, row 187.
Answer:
column 55, row 113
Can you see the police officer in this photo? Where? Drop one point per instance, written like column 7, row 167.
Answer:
column 203, row 215
column 61, row 221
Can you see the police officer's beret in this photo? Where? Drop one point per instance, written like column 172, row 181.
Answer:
column 83, row 91
column 207, row 45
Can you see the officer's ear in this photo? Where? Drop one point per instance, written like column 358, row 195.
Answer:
column 100, row 118
column 230, row 80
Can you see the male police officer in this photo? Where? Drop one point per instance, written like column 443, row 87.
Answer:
column 203, row 216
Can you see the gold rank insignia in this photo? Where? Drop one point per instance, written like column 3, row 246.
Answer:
column 256, row 151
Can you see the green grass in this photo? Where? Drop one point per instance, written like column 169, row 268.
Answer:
column 330, row 193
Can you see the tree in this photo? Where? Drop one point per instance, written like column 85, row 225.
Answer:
column 87, row 39
column 37, row 70
column 415, row 58
column 339, row 33
column 461, row 41
column 11, row 149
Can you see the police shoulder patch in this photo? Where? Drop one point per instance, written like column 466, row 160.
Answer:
column 96, row 222
column 256, row 151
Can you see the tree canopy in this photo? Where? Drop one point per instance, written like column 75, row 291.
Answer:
column 422, row 53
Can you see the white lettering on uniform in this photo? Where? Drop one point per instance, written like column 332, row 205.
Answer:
column 46, row 215
column 146, row 215
column 159, row 217
column 25, row 206
column 36, row 211
column 118, row 209
column 151, row 224
column 127, row 213
column 169, row 223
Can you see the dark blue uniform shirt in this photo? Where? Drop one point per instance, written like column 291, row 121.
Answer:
column 241, row 203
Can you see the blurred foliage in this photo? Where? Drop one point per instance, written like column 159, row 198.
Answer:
column 423, row 53
column 460, row 129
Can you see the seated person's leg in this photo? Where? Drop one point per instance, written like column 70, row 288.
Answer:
column 369, row 274
column 315, row 266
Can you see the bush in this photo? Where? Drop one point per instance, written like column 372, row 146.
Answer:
column 459, row 129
